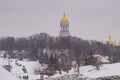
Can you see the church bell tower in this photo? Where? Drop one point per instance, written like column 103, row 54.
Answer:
column 64, row 24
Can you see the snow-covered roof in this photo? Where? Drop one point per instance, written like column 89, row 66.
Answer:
column 102, row 59
column 2, row 53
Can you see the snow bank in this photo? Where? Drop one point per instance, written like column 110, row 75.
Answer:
column 105, row 70
column 85, row 71
column 5, row 75
column 90, row 72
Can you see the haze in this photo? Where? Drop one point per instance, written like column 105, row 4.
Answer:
column 88, row 19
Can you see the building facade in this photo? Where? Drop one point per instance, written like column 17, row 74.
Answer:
column 64, row 25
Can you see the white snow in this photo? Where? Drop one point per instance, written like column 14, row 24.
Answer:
column 2, row 53
column 86, row 71
column 29, row 65
column 105, row 70
column 17, row 70
column 5, row 75
column 90, row 72
column 102, row 59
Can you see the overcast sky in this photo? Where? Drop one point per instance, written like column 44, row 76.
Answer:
column 88, row 19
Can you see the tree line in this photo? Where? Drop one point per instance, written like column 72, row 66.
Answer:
column 58, row 50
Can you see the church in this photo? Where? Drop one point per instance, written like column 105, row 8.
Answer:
column 64, row 26
column 64, row 31
column 111, row 42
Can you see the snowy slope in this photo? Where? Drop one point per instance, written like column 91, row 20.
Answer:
column 29, row 65
column 17, row 70
column 85, row 71
column 5, row 75
column 90, row 72
column 105, row 70
column 3, row 62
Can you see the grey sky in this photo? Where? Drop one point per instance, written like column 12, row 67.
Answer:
column 89, row 19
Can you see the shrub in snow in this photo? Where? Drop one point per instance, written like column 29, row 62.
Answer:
column 24, row 69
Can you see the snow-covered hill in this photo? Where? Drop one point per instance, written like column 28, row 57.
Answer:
column 105, row 70
column 85, row 71
column 5, row 75
column 89, row 72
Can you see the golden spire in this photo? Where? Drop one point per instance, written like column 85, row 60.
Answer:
column 64, row 15
column 64, row 18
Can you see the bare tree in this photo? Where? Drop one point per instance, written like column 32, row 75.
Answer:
column 95, row 61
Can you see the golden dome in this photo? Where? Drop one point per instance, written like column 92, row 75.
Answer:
column 64, row 18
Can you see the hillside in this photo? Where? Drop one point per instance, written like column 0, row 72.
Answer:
column 88, row 72
column 5, row 75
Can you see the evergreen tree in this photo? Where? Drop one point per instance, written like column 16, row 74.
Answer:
column 34, row 54
column 51, row 59
column 41, row 57
column 46, row 58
